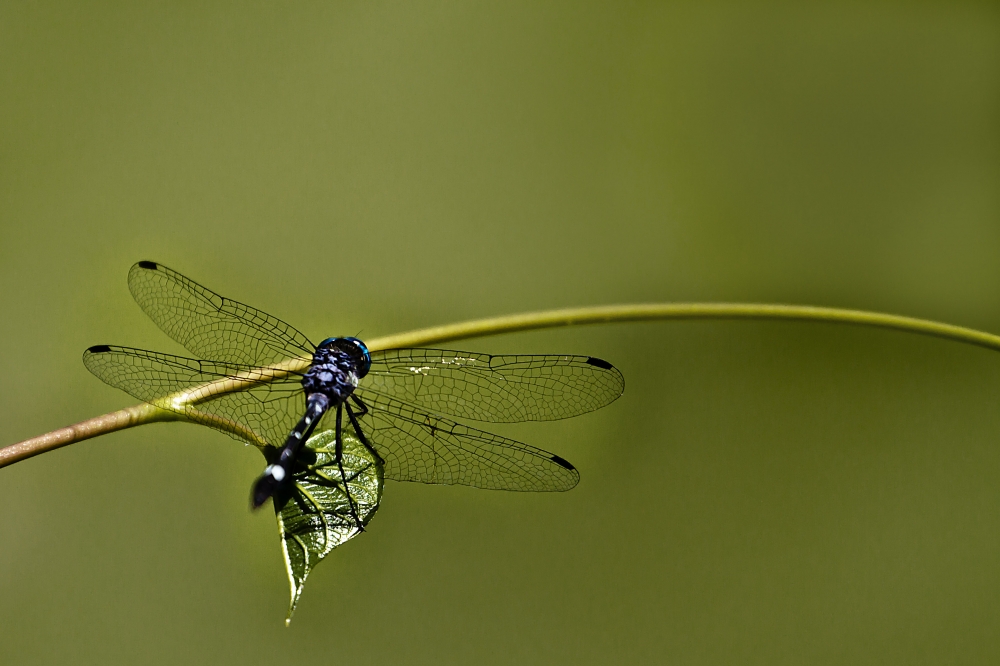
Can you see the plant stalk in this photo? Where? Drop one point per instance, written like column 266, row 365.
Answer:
column 182, row 405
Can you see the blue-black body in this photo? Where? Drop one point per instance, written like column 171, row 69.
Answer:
column 337, row 366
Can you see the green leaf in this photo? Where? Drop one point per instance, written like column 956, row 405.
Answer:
column 314, row 516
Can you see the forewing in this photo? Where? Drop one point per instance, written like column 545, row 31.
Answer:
column 209, row 325
column 262, row 414
column 417, row 446
column 498, row 389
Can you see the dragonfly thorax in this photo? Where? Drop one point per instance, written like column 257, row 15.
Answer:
column 333, row 372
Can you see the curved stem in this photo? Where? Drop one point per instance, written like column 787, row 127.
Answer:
column 99, row 425
column 182, row 404
column 659, row 311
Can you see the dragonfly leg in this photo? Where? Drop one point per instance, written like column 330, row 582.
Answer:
column 363, row 410
column 362, row 407
column 339, row 457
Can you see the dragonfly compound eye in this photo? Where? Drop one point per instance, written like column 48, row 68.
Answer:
column 353, row 346
column 366, row 358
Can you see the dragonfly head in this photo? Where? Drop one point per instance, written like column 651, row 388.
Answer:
column 355, row 348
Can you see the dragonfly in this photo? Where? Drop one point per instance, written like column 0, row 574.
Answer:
column 261, row 381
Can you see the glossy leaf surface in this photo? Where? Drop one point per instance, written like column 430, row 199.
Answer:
column 314, row 516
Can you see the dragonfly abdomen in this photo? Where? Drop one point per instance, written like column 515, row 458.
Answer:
column 277, row 474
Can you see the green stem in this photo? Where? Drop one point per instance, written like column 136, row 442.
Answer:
column 141, row 414
column 660, row 311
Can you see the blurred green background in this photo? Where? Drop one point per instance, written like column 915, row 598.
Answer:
column 763, row 492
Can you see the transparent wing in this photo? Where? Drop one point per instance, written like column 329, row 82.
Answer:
column 498, row 389
column 210, row 326
column 417, row 446
column 263, row 414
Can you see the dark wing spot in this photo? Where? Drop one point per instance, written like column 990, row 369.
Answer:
column 151, row 265
column 599, row 362
column 99, row 349
column 562, row 462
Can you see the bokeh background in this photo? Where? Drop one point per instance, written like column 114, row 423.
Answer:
column 763, row 492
